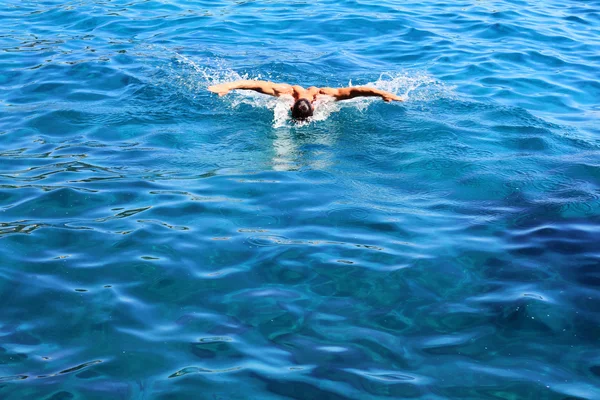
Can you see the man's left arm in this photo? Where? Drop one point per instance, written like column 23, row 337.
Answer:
column 359, row 91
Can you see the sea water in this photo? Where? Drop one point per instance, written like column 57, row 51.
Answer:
column 160, row 242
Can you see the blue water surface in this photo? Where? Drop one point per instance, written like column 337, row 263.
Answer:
column 160, row 242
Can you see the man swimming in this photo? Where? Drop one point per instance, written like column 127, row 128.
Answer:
column 303, row 98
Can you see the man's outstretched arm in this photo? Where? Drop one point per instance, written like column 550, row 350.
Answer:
column 270, row 88
column 359, row 91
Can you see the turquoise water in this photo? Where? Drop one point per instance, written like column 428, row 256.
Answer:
column 160, row 242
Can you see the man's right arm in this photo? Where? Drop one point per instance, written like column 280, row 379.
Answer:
column 270, row 88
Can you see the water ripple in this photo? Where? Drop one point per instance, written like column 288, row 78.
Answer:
column 372, row 252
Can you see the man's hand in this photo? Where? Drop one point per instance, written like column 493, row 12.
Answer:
column 389, row 97
column 221, row 89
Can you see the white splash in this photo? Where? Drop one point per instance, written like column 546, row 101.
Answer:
column 413, row 86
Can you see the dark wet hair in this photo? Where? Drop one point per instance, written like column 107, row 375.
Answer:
column 302, row 109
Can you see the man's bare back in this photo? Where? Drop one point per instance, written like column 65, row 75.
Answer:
column 304, row 98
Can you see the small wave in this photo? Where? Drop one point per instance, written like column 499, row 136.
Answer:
column 198, row 370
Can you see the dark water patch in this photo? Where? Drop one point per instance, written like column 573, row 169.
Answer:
column 63, row 395
column 10, row 358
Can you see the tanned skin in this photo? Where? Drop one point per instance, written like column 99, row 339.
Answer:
column 298, row 92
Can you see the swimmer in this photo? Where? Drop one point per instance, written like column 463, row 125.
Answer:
column 303, row 98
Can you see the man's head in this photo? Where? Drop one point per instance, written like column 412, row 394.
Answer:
column 302, row 109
